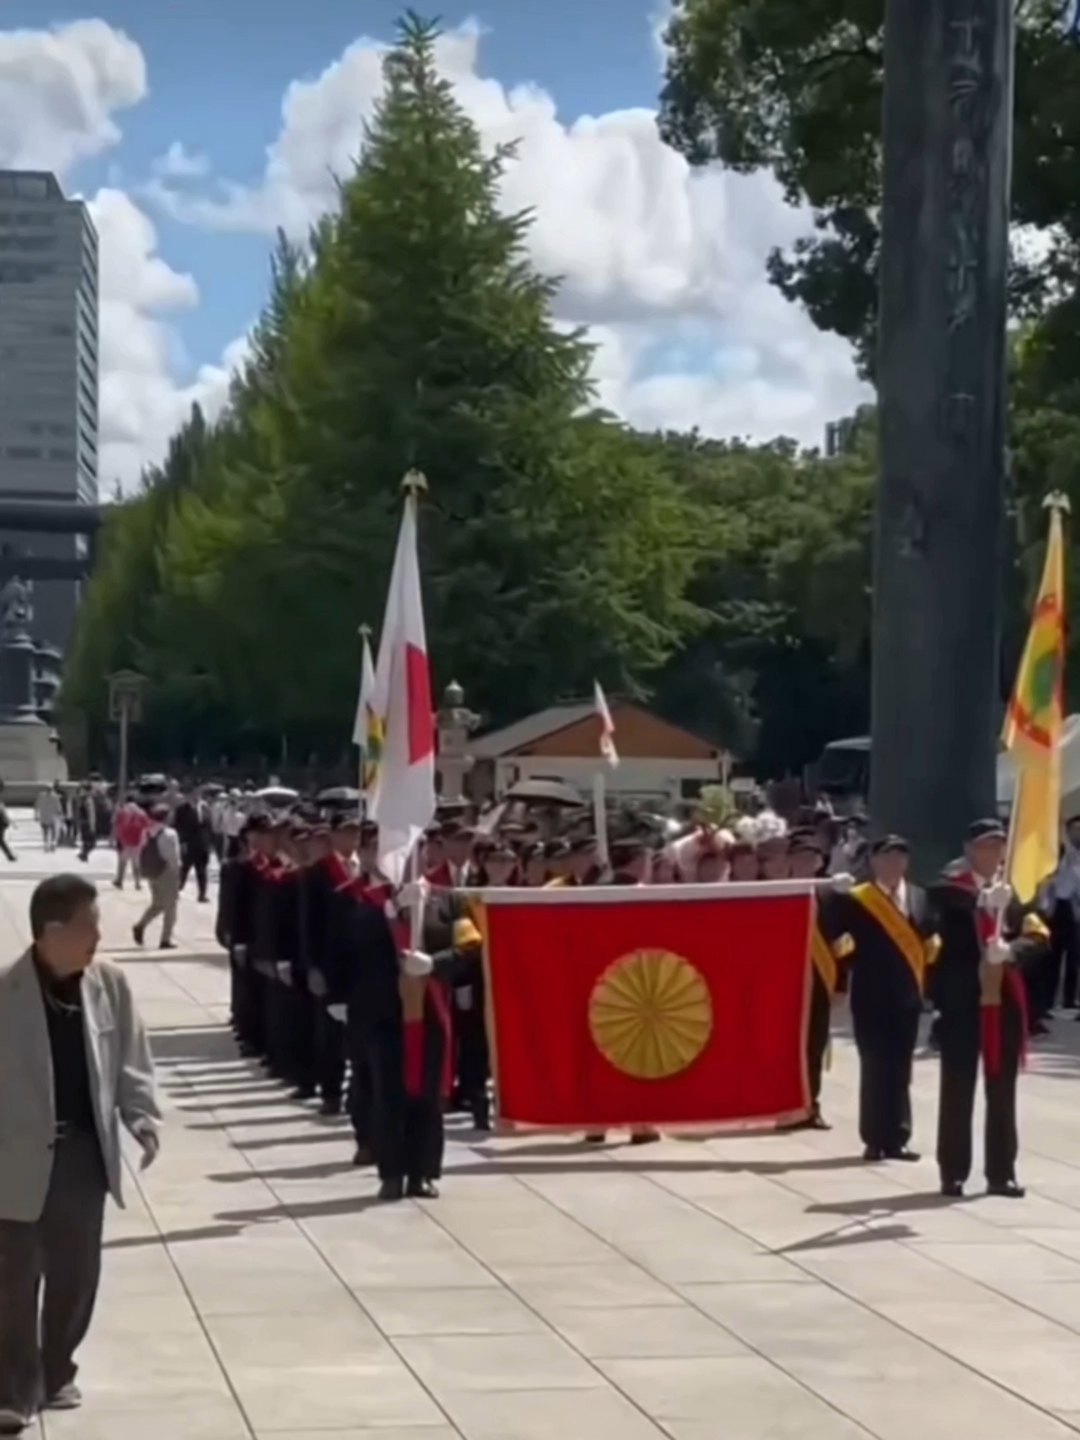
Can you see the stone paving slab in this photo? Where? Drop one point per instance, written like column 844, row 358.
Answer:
column 753, row 1287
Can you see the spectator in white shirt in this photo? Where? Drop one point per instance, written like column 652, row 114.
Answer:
column 159, row 863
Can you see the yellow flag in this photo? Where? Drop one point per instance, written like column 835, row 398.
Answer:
column 1033, row 722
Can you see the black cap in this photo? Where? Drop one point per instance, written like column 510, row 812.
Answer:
column 625, row 852
column 345, row 821
column 556, row 849
column 803, row 842
column 890, row 845
column 986, row 830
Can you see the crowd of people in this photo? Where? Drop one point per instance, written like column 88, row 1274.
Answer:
column 330, row 976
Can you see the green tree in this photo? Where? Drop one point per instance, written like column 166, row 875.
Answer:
column 794, row 87
column 414, row 333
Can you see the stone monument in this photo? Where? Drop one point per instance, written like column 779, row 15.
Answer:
column 939, row 555
column 29, row 758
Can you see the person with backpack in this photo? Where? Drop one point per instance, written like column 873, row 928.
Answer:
column 159, row 864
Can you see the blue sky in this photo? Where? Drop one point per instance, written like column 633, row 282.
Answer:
column 217, row 73
column 665, row 266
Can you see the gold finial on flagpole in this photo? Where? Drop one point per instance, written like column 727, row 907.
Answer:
column 414, row 483
column 365, row 631
column 1057, row 500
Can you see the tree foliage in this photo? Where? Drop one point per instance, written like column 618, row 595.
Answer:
column 794, row 87
column 728, row 583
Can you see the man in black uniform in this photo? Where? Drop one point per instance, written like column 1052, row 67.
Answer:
column 887, row 927
column 807, row 862
column 979, row 994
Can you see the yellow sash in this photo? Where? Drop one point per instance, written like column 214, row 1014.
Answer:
column 821, row 953
column 898, row 928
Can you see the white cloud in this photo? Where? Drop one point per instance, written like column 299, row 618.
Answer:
column 59, row 89
column 180, row 164
column 141, row 402
column 645, row 246
column 59, row 92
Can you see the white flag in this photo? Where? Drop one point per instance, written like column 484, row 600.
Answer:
column 403, row 802
column 368, row 728
column 607, row 728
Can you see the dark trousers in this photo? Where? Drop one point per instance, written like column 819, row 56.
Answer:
column 199, row 861
column 886, row 1044
column 817, row 1036
column 301, row 1015
column 49, row 1274
column 1063, row 961
column 473, row 1061
column 5, row 847
column 276, row 994
column 329, row 1055
column 358, row 1051
column 960, row 1048
column 406, row 1130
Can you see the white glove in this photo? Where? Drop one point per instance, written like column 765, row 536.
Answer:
column 464, row 997
column 412, row 894
column 339, row 1013
column 843, row 884
column 416, row 965
column 316, row 983
column 995, row 897
column 284, row 971
column 240, row 951
column 998, row 952
column 150, row 1141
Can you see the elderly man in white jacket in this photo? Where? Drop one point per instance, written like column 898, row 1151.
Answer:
column 75, row 1066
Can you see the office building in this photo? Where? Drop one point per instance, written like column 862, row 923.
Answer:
column 48, row 375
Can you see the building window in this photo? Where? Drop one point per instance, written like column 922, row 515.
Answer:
column 31, row 187
column 24, row 452
column 63, row 328
column 62, row 453
column 23, row 272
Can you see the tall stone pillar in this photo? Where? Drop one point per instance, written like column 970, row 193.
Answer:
column 940, row 506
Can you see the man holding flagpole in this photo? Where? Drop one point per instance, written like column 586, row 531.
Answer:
column 981, row 902
column 397, row 1002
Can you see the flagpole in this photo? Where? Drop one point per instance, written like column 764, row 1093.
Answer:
column 365, row 640
column 599, row 788
column 1056, row 503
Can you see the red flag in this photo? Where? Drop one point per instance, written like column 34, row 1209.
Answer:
column 666, row 1006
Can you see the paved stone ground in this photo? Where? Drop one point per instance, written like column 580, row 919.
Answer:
column 754, row 1288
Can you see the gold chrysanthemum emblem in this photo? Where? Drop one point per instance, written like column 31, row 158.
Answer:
column 650, row 1014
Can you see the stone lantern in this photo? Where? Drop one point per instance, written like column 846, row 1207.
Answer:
column 456, row 723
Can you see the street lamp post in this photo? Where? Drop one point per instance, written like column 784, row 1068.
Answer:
column 126, row 689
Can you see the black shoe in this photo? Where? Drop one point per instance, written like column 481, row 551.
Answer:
column 817, row 1121
column 596, row 1137
column 1008, row 1190
column 644, row 1137
column 363, row 1156
column 903, row 1154
column 392, row 1190
column 1039, row 1028
column 167, row 945
column 330, row 1108
column 14, row 1422
column 422, row 1190
column 482, row 1123
column 137, row 935
column 872, row 1154
column 304, row 1092
column 952, row 1189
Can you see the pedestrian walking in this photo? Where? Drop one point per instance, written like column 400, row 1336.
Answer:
column 129, row 832
column 159, row 862
column 5, row 826
column 49, row 810
column 192, row 822
column 74, row 1066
